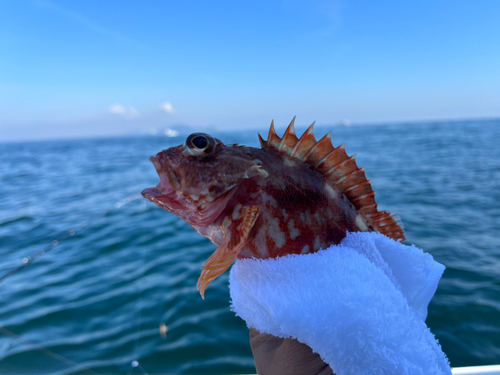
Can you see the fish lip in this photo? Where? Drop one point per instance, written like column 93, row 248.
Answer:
column 157, row 163
column 169, row 182
column 151, row 193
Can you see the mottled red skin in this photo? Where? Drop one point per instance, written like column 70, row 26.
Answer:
column 293, row 201
column 300, row 211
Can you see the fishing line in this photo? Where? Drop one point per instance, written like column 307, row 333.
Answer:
column 135, row 363
column 50, row 353
column 70, row 233
column 64, row 236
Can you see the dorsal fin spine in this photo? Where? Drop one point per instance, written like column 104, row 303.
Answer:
column 263, row 143
column 300, row 148
column 348, row 186
column 356, row 190
column 349, row 176
column 337, row 172
column 364, row 196
column 334, row 156
column 271, row 131
column 289, row 139
column 322, row 147
column 272, row 139
column 368, row 209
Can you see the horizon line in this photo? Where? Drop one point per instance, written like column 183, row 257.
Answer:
column 342, row 123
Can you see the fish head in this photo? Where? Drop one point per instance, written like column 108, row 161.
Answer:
column 199, row 177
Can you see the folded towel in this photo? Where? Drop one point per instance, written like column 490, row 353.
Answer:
column 361, row 305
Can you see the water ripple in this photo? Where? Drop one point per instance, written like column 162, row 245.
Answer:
column 98, row 298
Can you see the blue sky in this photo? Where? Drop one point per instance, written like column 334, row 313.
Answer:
column 90, row 68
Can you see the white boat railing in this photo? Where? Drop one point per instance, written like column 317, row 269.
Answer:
column 476, row 370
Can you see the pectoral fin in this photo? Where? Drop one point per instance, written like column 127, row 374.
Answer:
column 235, row 236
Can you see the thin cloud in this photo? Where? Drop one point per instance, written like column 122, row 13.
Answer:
column 82, row 20
column 167, row 107
column 128, row 113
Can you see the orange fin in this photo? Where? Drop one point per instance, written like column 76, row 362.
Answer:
column 340, row 170
column 289, row 139
column 322, row 147
column 272, row 139
column 235, row 237
column 305, row 143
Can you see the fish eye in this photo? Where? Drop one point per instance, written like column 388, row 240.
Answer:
column 200, row 144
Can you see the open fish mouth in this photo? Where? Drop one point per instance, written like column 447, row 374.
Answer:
column 168, row 196
column 169, row 183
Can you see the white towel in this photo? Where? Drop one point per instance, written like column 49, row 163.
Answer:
column 361, row 305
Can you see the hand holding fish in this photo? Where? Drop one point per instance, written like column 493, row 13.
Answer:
column 277, row 356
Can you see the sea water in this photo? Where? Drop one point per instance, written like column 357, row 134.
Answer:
column 119, row 296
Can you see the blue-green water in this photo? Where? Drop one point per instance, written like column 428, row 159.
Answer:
column 98, row 298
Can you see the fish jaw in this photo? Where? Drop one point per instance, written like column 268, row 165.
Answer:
column 163, row 194
column 169, row 182
column 168, row 196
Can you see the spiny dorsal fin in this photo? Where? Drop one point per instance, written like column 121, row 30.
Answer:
column 305, row 143
column 263, row 144
column 334, row 157
column 272, row 139
column 289, row 139
column 340, row 170
column 322, row 147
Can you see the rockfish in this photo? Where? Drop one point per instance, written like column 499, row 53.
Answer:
column 292, row 196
